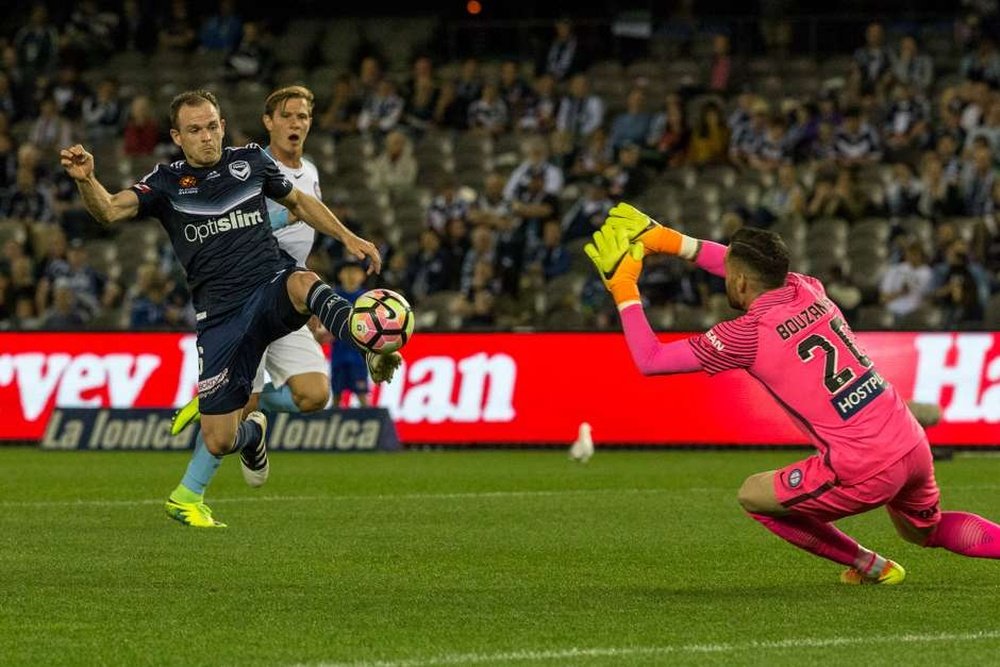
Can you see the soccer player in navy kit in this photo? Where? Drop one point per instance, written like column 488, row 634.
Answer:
column 246, row 291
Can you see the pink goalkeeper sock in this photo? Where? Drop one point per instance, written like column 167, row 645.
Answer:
column 966, row 534
column 816, row 537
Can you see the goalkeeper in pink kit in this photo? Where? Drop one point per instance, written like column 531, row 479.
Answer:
column 871, row 452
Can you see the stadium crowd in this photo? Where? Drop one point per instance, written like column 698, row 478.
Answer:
column 480, row 179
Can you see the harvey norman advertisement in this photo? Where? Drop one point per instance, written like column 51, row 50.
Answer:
column 513, row 388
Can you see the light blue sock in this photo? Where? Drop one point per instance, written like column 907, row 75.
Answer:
column 200, row 471
column 277, row 399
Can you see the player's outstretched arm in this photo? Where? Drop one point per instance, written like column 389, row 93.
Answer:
column 619, row 263
column 105, row 207
column 315, row 214
column 657, row 238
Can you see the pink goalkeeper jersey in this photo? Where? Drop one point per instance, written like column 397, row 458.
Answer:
column 796, row 343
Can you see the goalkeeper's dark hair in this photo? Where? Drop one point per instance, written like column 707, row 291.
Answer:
column 763, row 253
column 277, row 99
column 191, row 98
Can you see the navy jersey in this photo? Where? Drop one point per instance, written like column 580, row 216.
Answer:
column 217, row 221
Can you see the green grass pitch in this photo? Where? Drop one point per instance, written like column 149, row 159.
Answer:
column 453, row 558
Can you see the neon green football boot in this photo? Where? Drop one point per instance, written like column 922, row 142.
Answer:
column 196, row 515
column 189, row 413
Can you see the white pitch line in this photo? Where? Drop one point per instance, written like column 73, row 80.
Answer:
column 83, row 502
column 624, row 652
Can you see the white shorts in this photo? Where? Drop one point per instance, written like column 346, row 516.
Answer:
column 291, row 355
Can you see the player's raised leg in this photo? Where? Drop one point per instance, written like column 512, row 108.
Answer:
column 789, row 517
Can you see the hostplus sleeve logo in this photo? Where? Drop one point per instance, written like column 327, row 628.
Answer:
column 235, row 220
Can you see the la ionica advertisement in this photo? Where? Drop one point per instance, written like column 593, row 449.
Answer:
column 513, row 388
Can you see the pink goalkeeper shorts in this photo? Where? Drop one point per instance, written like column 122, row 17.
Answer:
column 907, row 488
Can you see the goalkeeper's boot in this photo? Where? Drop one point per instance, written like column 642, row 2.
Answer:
column 189, row 413
column 196, row 515
column 891, row 574
column 382, row 366
column 253, row 456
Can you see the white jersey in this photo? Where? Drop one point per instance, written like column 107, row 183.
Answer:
column 294, row 237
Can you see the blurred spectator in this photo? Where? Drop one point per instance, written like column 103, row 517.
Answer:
column 626, row 176
column 449, row 112
column 747, row 132
column 939, row 196
column 580, row 112
column 479, row 315
column 10, row 105
column 906, row 284
column 588, row 212
column 395, row 168
column 633, row 124
column 961, row 287
column 103, row 112
column 903, row 193
column 341, row 114
column 986, row 245
column 983, row 64
column 252, row 59
column 552, row 254
column 348, row 370
column 88, row 36
column 446, row 205
column 93, row 291
column 29, row 201
column 720, row 71
column 990, row 129
column 369, row 77
column 421, row 104
column 142, row 130
column 535, row 160
column 856, row 142
column 223, row 32
column 872, row 61
column 823, row 151
column 456, row 241
column 488, row 115
column 977, row 180
column 430, row 271
column 37, row 45
column 786, row 198
column 514, row 90
column 563, row 58
column 594, row 158
column 539, row 113
column 8, row 163
column 906, row 123
column 482, row 249
column 709, row 137
column 64, row 314
column 147, row 306
column 51, row 132
column 912, row 68
column 382, row 111
column 843, row 292
column 669, row 136
column 532, row 204
column 68, row 91
column 177, row 33
column 137, row 29
column 491, row 209
column 773, row 148
column 468, row 88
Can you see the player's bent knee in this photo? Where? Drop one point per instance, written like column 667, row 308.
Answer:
column 218, row 443
column 311, row 401
column 752, row 497
column 299, row 284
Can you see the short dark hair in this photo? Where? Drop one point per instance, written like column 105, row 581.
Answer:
column 281, row 95
column 763, row 252
column 191, row 98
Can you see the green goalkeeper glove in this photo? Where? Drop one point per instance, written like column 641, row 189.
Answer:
column 619, row 262
column 655, row 237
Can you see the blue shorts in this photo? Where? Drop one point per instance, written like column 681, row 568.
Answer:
column 349, row 376
column 230, row 347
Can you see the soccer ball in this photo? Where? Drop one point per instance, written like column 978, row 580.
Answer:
column 381, row 321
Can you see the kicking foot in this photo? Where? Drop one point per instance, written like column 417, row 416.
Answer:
column 196, row 515
column 891, row 574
